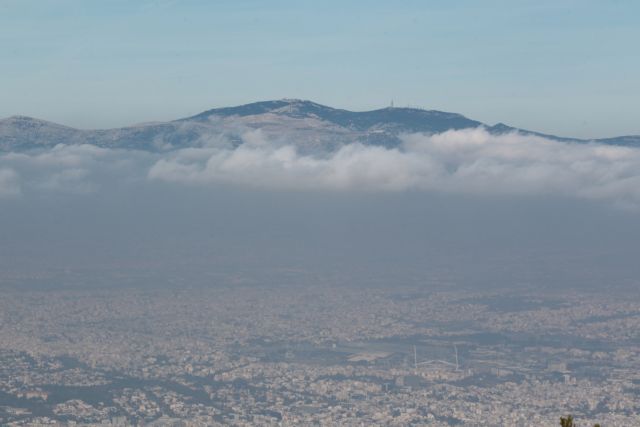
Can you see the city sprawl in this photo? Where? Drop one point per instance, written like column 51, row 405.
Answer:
column 317, row 355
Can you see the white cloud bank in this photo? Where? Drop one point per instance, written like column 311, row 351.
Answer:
column 75, row 169
column 467, row 162
column 463, row 162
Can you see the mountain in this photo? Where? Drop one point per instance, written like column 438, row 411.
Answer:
column 309, row 125
column 402, row 119
column 20, row 132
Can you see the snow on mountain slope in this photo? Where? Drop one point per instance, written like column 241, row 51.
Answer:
column 308, row 125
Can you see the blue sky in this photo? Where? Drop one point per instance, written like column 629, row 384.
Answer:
column 565, row 67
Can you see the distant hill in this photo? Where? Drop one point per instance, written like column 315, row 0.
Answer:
column 309, row 125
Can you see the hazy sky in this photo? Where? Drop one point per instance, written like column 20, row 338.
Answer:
column 564, row 67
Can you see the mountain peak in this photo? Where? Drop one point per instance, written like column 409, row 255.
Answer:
column 285, row 106
column 394, row 119
column 19, row 118
column 26, row 122
column 300, row 101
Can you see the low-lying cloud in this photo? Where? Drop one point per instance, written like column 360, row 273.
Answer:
column 463, row 162
column 466, row 162
column 74, row 169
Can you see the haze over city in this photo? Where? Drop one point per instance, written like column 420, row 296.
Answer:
column 290, row 213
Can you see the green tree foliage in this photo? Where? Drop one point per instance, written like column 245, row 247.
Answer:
column 568, row 422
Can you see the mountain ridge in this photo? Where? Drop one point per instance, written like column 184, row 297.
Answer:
column 309, row 124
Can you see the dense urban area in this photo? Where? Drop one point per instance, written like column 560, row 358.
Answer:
column 240, row 354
